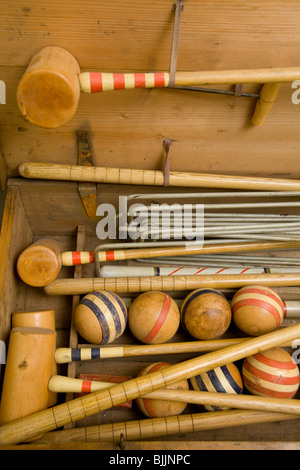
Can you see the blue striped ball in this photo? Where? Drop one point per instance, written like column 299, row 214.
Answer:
column 224, row 379
column 101, row 317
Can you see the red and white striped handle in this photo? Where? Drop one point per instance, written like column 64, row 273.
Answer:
column 74, row 258
column 95, row 82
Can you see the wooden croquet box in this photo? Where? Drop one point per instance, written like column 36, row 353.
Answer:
column 210, row 134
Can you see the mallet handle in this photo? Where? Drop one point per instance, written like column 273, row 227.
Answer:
column 61, row 384
column 126, row 285
column 94, row 82
column 109, row 270
column 66, row 355
column 246, row 402
column 57, row 416
column 167, row 426
column 68, row 258
column 64, row 172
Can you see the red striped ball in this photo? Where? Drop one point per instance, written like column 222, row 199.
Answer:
column 272, row 373
column 153, row 317
column 257, row 310
column 157, row 408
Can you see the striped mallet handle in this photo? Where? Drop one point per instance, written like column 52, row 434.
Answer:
column 66, row 355
column 166, row 426
column 96, row 174
column 30, row 426
column 72, row 258
column 126, row 285
column 131, row 271
column 60, row 384
column 94, row 82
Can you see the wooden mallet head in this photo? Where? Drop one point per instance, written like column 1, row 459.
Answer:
column 40, row 263
column 48, row 93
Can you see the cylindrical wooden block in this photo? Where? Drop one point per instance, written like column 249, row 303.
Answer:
column 153, row 317
column 38, row 319
column 272, row 373
column 205, row 314
column 157, row 408
column 29, row 365
column 257, row 310
column 223, row 379
column 40, row 263
column 101, row 317
column 49, row 91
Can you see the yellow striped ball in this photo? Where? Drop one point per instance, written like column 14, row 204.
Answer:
column 257, row 310
column 101, row 317
column 205, row 314
column 224, row 379
column 153, row 317
column 158, row 408
column 272, row 373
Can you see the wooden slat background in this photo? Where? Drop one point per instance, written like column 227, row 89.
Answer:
column 212, row 133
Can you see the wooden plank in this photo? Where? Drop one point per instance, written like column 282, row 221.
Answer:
column 12, row 242
column 127, row 128
column 3, row 172
column 73, row 340
column 161, row 446
column 213, row 33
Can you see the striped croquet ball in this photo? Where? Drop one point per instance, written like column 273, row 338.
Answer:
column 272, row 373
column 101, row 317
column 224, row 379
column 153, row 317
column 205, row 314
column 257, row 310
column 158, row 408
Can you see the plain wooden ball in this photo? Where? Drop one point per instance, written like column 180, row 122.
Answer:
column 205, row 314
column 153, row 317
column 158, row 408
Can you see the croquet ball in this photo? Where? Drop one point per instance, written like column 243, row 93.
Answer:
column 272, row 373
column 153, row 317
column 155, row 408
column 224, row 379
column 205, row 314
column 257, row 310
column 101, row 317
